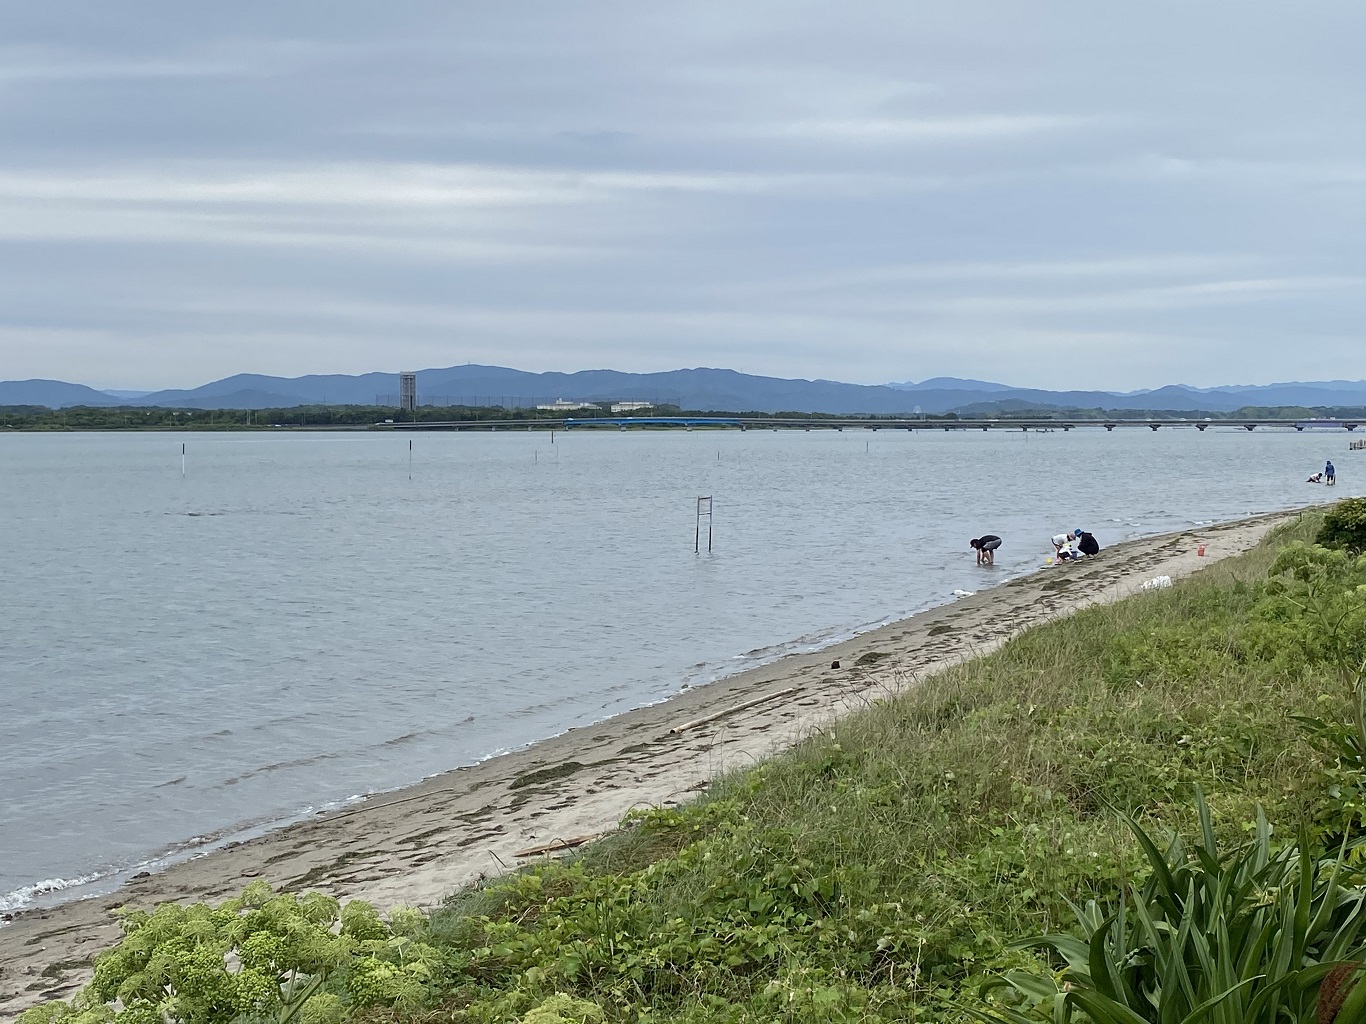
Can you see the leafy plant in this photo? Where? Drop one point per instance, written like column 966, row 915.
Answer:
column 1324, row 590
column 1321, row 594
column 1228, row 938
column 260, row 956
column 564, row 1009
column 1344, row 526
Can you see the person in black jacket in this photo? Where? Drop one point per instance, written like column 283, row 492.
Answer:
column 985, row 546
column 1086, row 543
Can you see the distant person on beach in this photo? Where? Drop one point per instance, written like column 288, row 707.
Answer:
column 1087, row 543
column 1331, row 474
column 985, row 546
column 1317, row 478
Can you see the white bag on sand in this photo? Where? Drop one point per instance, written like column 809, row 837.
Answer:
column 964, row 593
column 1158, row 582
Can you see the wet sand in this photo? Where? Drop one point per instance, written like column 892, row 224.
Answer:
column 418, row 845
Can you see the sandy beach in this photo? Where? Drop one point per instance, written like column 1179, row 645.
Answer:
column 417, row 845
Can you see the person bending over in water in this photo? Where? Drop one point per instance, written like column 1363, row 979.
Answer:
column 1087, row 543
column 985, row 546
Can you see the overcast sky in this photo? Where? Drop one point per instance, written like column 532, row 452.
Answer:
column 1058, row 194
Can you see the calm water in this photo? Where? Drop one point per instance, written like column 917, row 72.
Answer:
column 296, row 622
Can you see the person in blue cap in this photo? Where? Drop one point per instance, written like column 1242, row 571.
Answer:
column 1330, row 474
column 1086, row 542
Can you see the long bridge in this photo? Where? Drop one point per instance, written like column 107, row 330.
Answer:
column 852, row 422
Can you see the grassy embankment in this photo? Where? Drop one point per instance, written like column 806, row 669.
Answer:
column 879, row 871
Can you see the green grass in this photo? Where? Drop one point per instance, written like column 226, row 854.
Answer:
column 881, row 870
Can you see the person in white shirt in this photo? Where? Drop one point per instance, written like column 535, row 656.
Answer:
column 1064, row 547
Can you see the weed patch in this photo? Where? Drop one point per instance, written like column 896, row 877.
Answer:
column 544, row 775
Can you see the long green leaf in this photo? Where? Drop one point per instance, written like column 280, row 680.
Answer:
column 1303, row 901
column 1103, row 1010
column 1103, row 976
column 1069, row 947
column 1162, row 874
column 1199, row 1013
column 1328, row 899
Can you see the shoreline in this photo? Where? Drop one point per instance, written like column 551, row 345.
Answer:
column 417, row 844
column 208, row 844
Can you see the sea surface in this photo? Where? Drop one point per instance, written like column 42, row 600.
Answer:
column 301, row 619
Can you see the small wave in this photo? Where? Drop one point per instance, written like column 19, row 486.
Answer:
column 408, row 737
column 21, row 897
column 300, row 762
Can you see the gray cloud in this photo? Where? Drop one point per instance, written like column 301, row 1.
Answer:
column 1068, row 194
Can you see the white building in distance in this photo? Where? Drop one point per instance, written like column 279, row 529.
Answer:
column 631, row 406
column 560, row 405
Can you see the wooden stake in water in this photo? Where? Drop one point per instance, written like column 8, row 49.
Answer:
column 182, row 461
column 410, row 459
column 703, row 509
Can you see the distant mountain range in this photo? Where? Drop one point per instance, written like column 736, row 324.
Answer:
column 700, row 388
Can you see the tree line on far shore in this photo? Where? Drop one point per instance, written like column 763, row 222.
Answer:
column 32, row 417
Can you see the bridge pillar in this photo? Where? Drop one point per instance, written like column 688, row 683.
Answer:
column 1249, row 426
column 986, row 428
column 1066, row 427
column 1154, row 426
column 1350, row 426
column 1298, row 427
column 1025, row 429
column 1109, row 426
